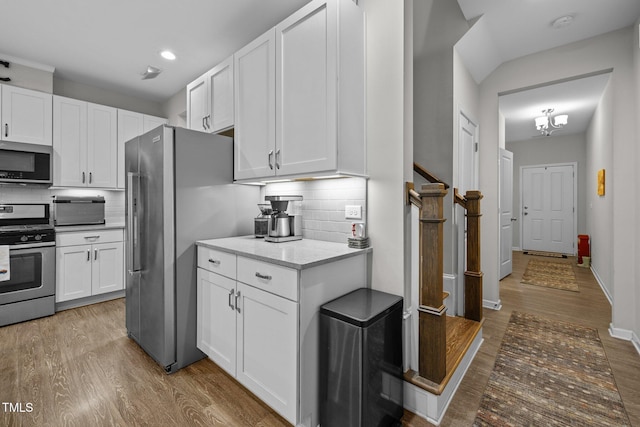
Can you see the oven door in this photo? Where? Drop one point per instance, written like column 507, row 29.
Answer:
column 32, row 271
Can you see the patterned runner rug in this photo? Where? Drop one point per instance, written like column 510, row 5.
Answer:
column 550, row 373
column 551, row 274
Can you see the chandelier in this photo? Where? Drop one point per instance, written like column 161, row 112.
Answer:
column 547, row 125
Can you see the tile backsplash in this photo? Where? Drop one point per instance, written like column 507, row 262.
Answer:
column 323, row 204
column 114, row 200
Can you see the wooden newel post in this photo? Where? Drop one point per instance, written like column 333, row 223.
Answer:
column 432, row 312
column 473, row 273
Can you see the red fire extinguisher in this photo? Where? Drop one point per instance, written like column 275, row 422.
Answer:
column 583, row 247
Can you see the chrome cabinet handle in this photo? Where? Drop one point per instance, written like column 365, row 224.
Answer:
column 204, row 126
column 262, row 276
column 278, row 159
column 88, row 254
column 95, row 254
column 90, row 177
column 208, row 121
column 83, row 177
column 6, row 130
column 270, row 163
column 214, row 261
column 230, row 300
column 237, row 305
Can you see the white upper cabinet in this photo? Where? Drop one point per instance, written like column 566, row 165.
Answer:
column 84, row 144
column 130, row 125
column 319, row 96
column 26, row 115
column 255, row 85
column 102, row 146
column 210, row 99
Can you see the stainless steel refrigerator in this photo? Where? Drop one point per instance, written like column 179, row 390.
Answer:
column 179, row 189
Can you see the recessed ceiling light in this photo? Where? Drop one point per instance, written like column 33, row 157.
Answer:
column 562, row 22
column 167, row 54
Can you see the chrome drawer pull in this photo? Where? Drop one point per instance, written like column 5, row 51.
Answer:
column 262, row 276
column 214, row 261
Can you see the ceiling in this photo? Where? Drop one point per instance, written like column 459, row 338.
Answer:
column 504, row 30
column 109, row 44
column 577, row 98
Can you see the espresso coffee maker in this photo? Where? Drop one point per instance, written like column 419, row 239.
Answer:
column 283, row 227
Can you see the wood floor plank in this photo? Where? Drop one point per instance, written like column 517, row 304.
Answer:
column 79, row 368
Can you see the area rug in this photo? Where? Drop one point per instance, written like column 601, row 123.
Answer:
column 547, row 254
column 550, row 373
column 550, row 274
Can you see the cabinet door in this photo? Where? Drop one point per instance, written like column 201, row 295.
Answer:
column 107, row 271
column 152, row 122
column 268, row 348
column 26, row 115
column 216, row 319
column 254, row 133
column 221, row 96
column 73, row 272
column 306, row 71
column 69, row 142
column 129, row 126
column 198, row 103
column 102, row 146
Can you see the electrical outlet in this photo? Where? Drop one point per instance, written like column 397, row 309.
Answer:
column 353, row 212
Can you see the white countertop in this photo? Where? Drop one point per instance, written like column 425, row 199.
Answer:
column 298, row 254
column 89, row 227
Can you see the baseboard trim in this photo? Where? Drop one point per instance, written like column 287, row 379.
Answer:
column 66, row 305
column 625, row 334
column 601, row 283
column 432, row 407
column 492, row 305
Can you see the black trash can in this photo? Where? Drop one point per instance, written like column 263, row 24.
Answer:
column 361, row 375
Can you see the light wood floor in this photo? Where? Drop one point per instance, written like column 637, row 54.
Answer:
column 79, row 368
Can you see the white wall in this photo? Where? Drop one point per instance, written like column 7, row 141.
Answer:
column 612, row 50
column 437, row 28
column 636, row 73
column 175, row 108
column 387, row 141
column 98, row 95
column 600, row 208
column 554, row 149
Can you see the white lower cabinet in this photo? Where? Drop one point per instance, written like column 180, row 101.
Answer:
column 259, row 321
column 88, row 263
column 250, row 333
column 266, row 362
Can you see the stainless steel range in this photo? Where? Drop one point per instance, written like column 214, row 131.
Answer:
column 27, row 262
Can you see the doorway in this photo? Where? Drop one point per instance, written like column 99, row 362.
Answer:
column 467, row 180
column 548, row 208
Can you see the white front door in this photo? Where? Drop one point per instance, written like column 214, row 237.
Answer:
column 506, row 212
column 548, row 208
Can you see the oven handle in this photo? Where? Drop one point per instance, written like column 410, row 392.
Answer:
column 31, row 245
column 133, row 239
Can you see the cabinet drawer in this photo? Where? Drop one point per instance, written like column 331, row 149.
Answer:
column 272, row 278
column 73, row 238
column 219, row 262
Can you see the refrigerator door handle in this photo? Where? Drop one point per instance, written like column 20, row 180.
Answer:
column 133, row 241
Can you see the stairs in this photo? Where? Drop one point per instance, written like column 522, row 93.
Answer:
column 446, row 345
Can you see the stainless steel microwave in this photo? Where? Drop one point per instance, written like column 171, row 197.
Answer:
column 25, row 163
